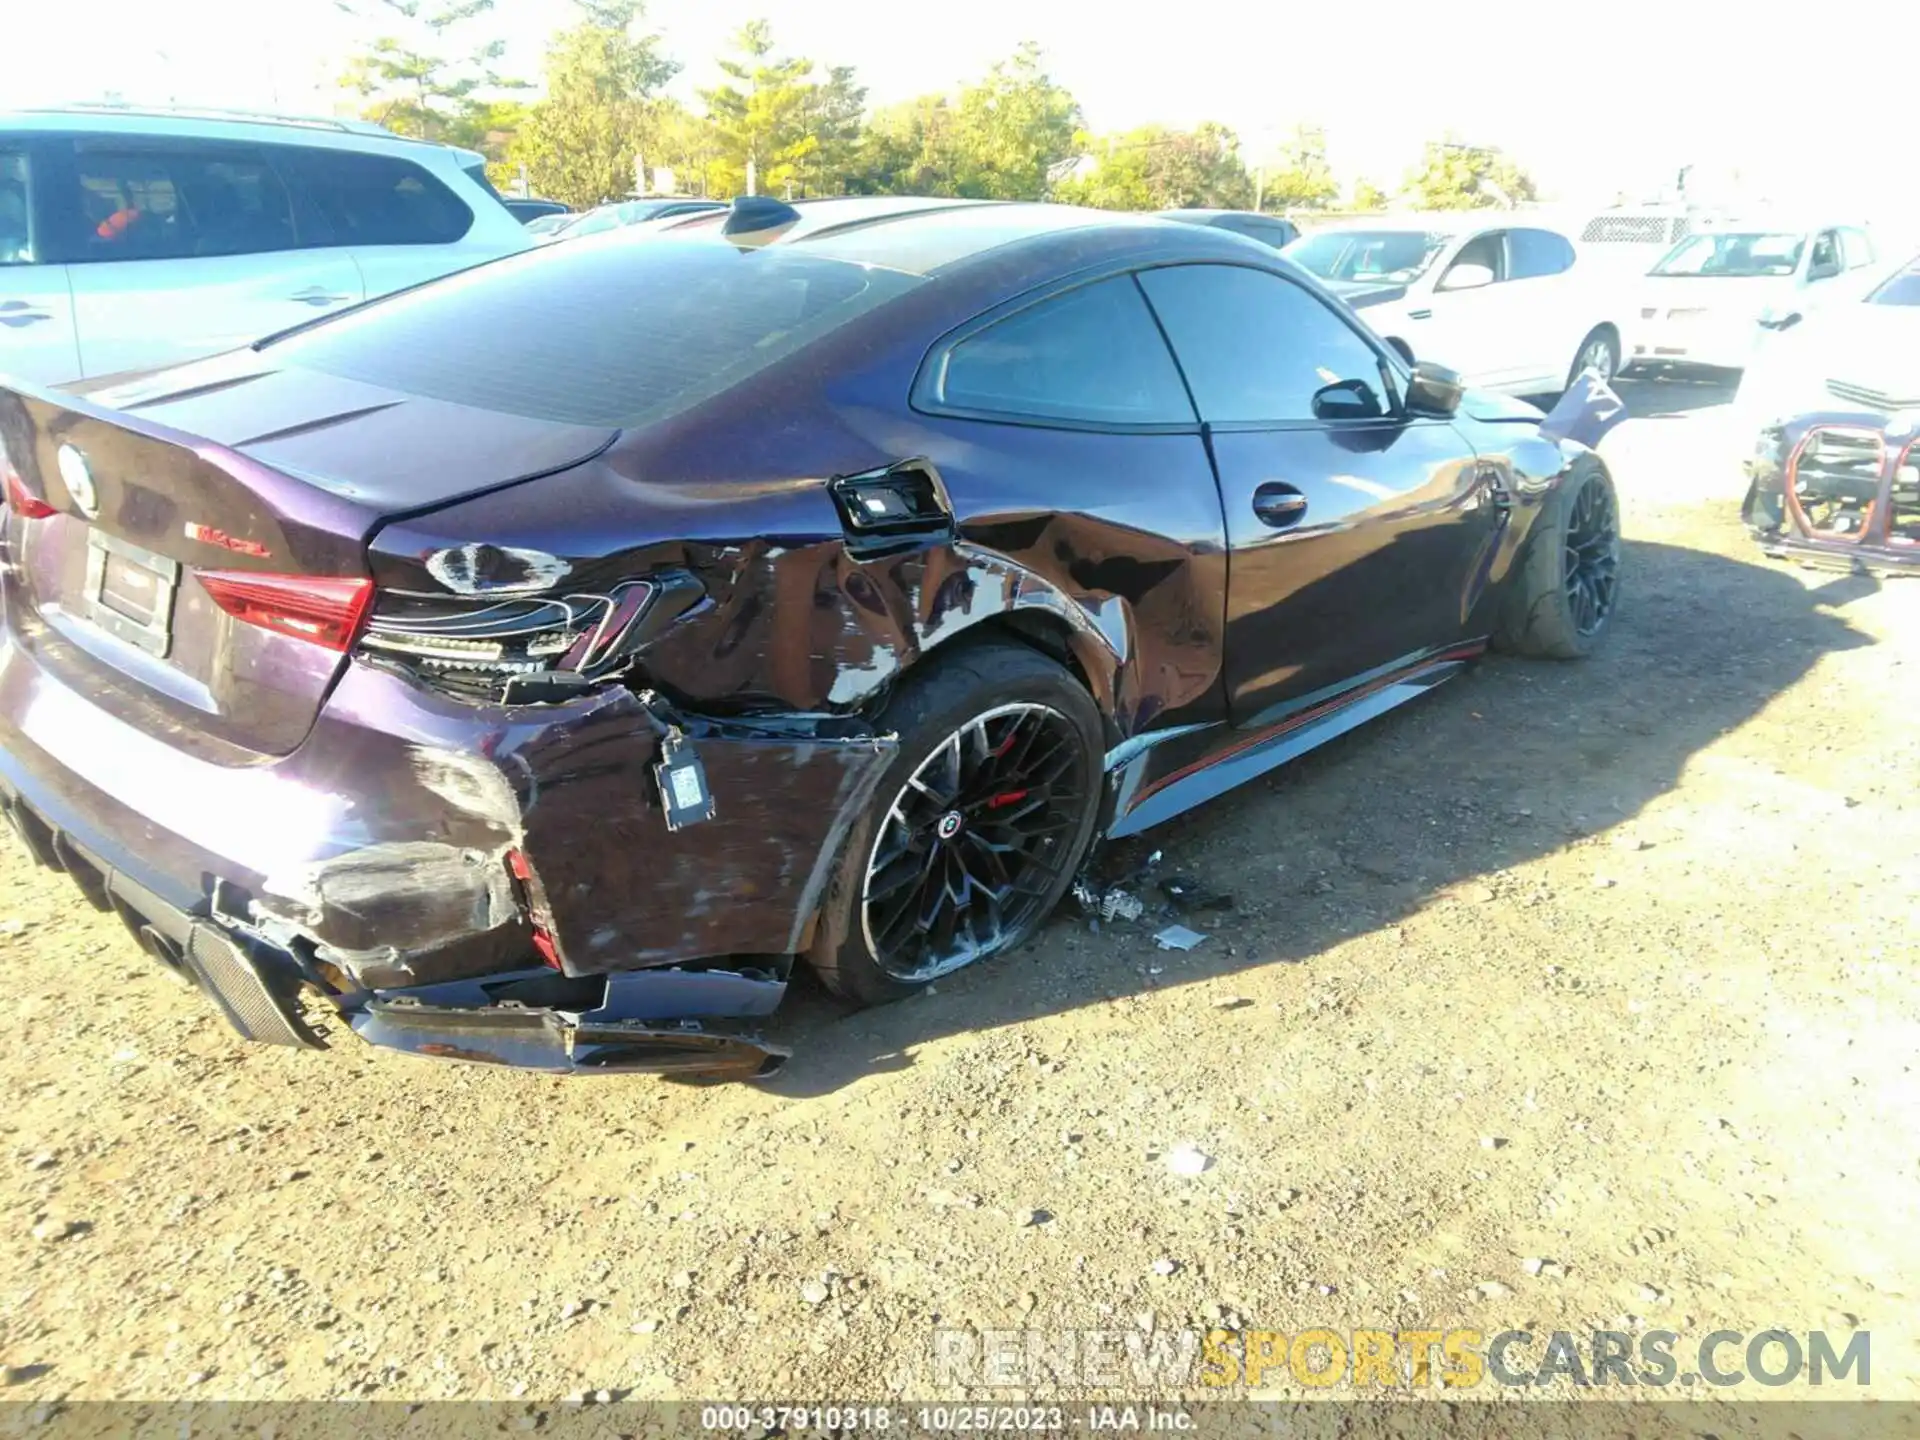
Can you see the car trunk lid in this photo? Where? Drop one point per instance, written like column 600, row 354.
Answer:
column 205, row 528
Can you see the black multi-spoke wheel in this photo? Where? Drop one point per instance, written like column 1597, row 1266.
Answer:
column 1592, row 563
column 1563, row 595
column 975, row 831
column 973, row 841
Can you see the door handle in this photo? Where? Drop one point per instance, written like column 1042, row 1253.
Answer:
column 1279, row 505
column 315, row 296
column 19, row 313
column 1419, row 314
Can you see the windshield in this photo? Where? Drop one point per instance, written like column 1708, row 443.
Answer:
column 607, row 217
column 1900, row 288
column 1388, row 256
column 1745, row 255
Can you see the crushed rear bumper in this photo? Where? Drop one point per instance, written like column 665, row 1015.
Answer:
column 413, row 844
column 660, row 1021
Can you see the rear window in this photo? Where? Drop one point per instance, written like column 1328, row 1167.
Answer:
column 608, row 332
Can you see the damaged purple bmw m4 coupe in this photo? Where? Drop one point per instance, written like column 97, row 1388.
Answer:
column 533, row 666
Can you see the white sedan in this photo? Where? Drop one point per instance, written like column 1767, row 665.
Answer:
column 1711, row 299
column 1499, row 297
column 1861, row 357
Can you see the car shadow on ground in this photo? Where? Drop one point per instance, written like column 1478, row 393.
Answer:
column 1508, row 763
column 1673, row 395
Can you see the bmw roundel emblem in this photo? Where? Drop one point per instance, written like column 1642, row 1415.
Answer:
column 78, row 479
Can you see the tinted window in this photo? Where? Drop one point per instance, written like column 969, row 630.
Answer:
column 16, row 231
column 1276, row 233
column 601, row 332
column 1392, row 257
column 1091, row 355
column 1481, row 250
column 378, row 200
column 1254, row 346
column 166, row 202
column 1538, row 252
column 1826, row 253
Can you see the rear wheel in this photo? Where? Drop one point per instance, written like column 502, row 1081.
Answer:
column 1562, row 601
column 975, row 831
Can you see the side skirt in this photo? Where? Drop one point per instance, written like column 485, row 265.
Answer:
column 1145, row 796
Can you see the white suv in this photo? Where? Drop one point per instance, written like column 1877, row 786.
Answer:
column 1498, row 296
column 131, row 239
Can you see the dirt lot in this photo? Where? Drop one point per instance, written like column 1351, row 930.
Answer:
column 1609, row 965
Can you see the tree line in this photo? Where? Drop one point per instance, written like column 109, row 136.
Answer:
column 781, row 124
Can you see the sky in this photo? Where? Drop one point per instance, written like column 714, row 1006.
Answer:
column 1591, row 99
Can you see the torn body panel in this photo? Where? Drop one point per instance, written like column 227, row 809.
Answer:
column 660, row 1021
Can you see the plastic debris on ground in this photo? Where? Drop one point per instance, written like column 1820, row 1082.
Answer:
column 1188, row 893
column 1178, row 937
column 1110, row 904
column 1188, row 1159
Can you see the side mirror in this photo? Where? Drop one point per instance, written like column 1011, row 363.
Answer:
column 1466, row 277
column 1434, row 391
column 1347, row 400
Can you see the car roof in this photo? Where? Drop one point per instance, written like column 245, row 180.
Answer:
column 1193, row 213
column 1763, row 224
column 210, row 124
column 919, row 235
column 1448, row 222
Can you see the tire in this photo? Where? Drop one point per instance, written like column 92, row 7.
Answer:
column 996, row 706
column 1599, row 351
column 1546, row 614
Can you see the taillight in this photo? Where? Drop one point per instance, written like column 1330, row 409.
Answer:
column 533, row 901
column 323, row 609
column 27, row 507
column 478, row 648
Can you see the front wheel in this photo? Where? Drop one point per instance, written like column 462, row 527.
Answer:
column 1563, row 598
column 975, row 831
column 1600, row 353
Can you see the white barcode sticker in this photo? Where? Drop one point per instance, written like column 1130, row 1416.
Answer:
column 688, row 793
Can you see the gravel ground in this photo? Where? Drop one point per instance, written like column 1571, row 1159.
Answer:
column 1572, row 996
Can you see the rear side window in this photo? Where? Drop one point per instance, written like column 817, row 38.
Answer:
column 1256, row 347
column 177, row 203
column 599, row 333
column 1090, row 356
column 1538, row 252
column 377, row 199
column 16, row 221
